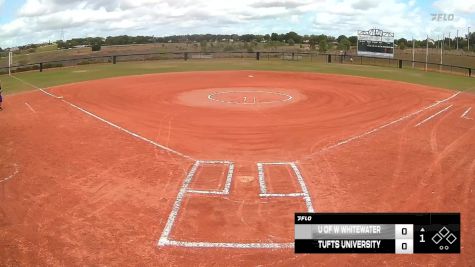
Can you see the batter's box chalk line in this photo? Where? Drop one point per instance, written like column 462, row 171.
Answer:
column 15, row 172
column 165, row 239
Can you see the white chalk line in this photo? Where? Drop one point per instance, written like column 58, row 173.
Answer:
column 109, row 123
column 359, row 136
column 212, row 97
column 433, row 116
column 128, row 131
column 303, row 186
column 15, row 172
column 176, row 206
column 227, row 184
column 306, row 197
column 464, row 115
column 31, row 108
column 282, row 195
column 229, row 245
column 206, row 192
column 34, row 86
column 165, row 237
column 260, row 175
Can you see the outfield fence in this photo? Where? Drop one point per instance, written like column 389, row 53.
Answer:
column 283, row 56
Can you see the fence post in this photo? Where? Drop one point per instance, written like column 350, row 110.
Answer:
column 400, row 63
column 114, row 59
column 41, row 66
column 293, row 56
column 329, row 58
column 258, row 55
column 469, row 72
column 185, row 56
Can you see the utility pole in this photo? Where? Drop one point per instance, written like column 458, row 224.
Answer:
column 413, row 51
column 427, row 50
column 457, row 40
column 468, row 40
column 449, row 41
column 441, row 52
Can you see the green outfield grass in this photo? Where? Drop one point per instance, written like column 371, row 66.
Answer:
column 59, row 76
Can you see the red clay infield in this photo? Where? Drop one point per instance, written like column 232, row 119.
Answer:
column 93, row 178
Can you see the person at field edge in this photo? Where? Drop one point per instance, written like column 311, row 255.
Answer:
column 1, row 96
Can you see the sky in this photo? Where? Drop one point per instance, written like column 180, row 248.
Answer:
column 36, row 21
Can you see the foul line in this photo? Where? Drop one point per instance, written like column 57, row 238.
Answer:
column 356, row 137
column 128, row 131
column 466, row 113
column 433, row 116
column 15, row 172
column 108, row 122
column 28, row 105
column 34, row 86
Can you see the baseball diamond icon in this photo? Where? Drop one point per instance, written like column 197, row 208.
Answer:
column 444, row 233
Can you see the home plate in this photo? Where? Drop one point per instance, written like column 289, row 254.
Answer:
column 250, row 76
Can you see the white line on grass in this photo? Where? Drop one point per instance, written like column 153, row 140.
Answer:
column 34, row 86
column 433, row 116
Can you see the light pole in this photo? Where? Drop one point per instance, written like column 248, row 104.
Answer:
column 468, row 39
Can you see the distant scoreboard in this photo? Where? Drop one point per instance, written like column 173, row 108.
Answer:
column 399, row 233
column 376, row 43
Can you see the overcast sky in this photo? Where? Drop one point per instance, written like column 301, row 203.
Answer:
column 33, row 21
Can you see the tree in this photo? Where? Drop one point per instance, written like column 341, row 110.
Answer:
column 267, row 37
column 291, row 42
column 313, row 42
column 247, row 37
column 323, row 46
column 344, row 44
column 340, row 38
column 274, row 37
column 203, row 45
column 294, row 36
column 353, row 40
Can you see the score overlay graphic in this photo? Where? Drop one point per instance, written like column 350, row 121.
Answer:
column 399, row 233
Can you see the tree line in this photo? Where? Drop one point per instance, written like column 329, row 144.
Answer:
column 324, row 42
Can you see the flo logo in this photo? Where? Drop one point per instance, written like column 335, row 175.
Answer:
column 442, row 17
